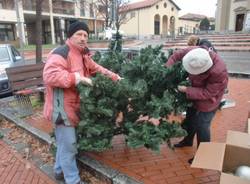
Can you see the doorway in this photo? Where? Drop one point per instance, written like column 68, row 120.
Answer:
column 239, row 22
column 157, row 24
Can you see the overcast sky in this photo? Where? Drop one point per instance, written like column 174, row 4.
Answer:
column 203, row 7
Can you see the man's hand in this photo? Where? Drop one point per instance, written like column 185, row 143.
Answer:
column 182, row 89
column 154, row 121
column 86, row 81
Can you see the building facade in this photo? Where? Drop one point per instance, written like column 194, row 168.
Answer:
column 190, row 23
column 232, row 15
column 18, row 19
column 151, row 17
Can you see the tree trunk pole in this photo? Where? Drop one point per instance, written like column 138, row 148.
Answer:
column 39, row 31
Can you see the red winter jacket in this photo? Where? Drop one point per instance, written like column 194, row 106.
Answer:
column 61, row 97
column 207, row 88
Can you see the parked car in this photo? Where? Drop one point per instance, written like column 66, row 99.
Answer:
column 9, row 57
column 108, row 33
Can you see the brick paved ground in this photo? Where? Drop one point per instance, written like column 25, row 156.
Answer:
column 16, row 170
column 170, row 167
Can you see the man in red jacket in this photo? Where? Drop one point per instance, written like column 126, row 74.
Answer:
column 208, row 76
column 65, row 67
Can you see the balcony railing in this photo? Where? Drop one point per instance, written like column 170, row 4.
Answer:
column 31, row 5
column 8, row 5
column 64, row 7
column 63, row 11
column 70, row 1
column 59, row 6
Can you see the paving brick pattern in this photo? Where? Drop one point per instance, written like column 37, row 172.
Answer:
column 171, row 167
column 16, row 170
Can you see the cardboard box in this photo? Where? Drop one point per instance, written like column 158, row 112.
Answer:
column 248, row 124
column 225, row 157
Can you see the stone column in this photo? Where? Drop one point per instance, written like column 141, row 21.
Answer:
column 247, row 20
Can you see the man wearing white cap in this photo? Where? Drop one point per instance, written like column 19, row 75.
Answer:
column 208, row 76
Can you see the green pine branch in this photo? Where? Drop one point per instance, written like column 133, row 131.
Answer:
column 148, row 89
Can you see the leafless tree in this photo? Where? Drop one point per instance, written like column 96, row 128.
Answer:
column 121, row 13
column 114, row 12
column 103, row 7
column 100, row 7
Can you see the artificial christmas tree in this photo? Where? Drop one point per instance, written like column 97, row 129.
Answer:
column 148, row 90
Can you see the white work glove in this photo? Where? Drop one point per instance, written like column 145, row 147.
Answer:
column 82, row 79
column 119, row 78
column 182, row 89
column 86, row 81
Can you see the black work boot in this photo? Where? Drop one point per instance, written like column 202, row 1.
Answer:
column 59, row 176
column 183, row 143
column 190, row 161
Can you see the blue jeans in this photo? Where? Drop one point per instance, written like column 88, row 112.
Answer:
column 66, row 154
column 197, row 122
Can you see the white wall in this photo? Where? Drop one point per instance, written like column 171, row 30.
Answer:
column 142, row 24
column 8, row 15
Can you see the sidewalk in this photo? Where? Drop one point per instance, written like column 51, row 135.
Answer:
column 16, row 170
column 171, row 167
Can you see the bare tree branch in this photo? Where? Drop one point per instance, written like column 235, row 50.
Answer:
column 122, row 12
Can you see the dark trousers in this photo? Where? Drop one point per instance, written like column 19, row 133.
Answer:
column 198, row 123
